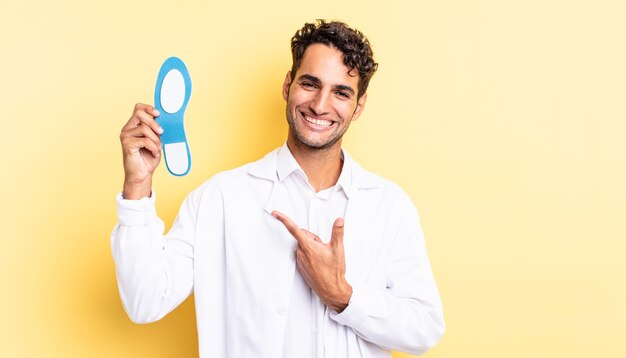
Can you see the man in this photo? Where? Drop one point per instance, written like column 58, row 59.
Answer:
column 300, row 254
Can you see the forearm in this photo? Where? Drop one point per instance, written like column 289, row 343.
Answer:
column 140, row 270
column 392, row 322
column 154, row 273
column 401, row 310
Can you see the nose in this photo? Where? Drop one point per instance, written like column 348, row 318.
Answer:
column 320, row 102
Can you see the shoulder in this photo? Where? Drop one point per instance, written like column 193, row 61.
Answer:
column 391, row 194
column 386, row 204
column 365, row 179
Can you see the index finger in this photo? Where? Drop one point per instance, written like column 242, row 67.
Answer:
column 293, row 229
column 144, row 114
column 147, row 108
column 147, row 119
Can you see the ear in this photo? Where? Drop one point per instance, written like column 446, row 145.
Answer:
column 286, row 85
column 360, row 105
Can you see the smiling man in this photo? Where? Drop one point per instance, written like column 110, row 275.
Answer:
column 300, row 254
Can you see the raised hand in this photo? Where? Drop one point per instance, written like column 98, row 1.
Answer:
column 141, row 148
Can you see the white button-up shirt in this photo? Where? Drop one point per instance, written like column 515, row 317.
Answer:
column 226, row 247
column 315, row 212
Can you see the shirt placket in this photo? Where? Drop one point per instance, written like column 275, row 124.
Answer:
column 320, row 225
column 314, row 212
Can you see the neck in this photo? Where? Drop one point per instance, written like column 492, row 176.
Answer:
column 321, row 166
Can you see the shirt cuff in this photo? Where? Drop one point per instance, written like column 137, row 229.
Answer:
column 136, row 212
column 355, row 313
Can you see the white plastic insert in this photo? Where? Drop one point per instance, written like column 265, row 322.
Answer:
column 172, row 91
column 176, row 157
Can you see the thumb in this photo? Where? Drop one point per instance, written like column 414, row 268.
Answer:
column 337, row 235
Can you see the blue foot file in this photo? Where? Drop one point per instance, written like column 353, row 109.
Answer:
column 171, row 95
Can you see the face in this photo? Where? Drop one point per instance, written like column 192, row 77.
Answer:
column 321, row 99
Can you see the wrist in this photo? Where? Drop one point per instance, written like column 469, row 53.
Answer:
column 342, row 299
column 137, row 189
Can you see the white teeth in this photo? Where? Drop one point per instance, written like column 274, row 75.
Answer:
column 319, row 122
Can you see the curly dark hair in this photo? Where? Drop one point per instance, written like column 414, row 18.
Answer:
column 357, row 53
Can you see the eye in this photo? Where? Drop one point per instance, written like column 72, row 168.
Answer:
column 343, row 95
column 308, row 85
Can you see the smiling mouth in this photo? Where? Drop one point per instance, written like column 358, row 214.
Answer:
column 317, row 122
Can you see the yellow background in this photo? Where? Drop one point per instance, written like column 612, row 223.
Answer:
column 503, row 120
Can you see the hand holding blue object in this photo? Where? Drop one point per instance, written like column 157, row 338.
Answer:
column 171, row 95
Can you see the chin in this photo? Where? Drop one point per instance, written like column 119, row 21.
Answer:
column 326, row 144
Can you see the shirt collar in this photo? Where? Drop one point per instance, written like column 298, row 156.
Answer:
column 286, row 164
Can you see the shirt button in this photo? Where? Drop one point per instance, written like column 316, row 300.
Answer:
column 281, row 311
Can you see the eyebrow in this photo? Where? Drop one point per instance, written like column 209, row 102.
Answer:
column 317, row 81
column 345, row 88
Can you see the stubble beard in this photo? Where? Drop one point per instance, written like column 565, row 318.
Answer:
column 295, row 131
